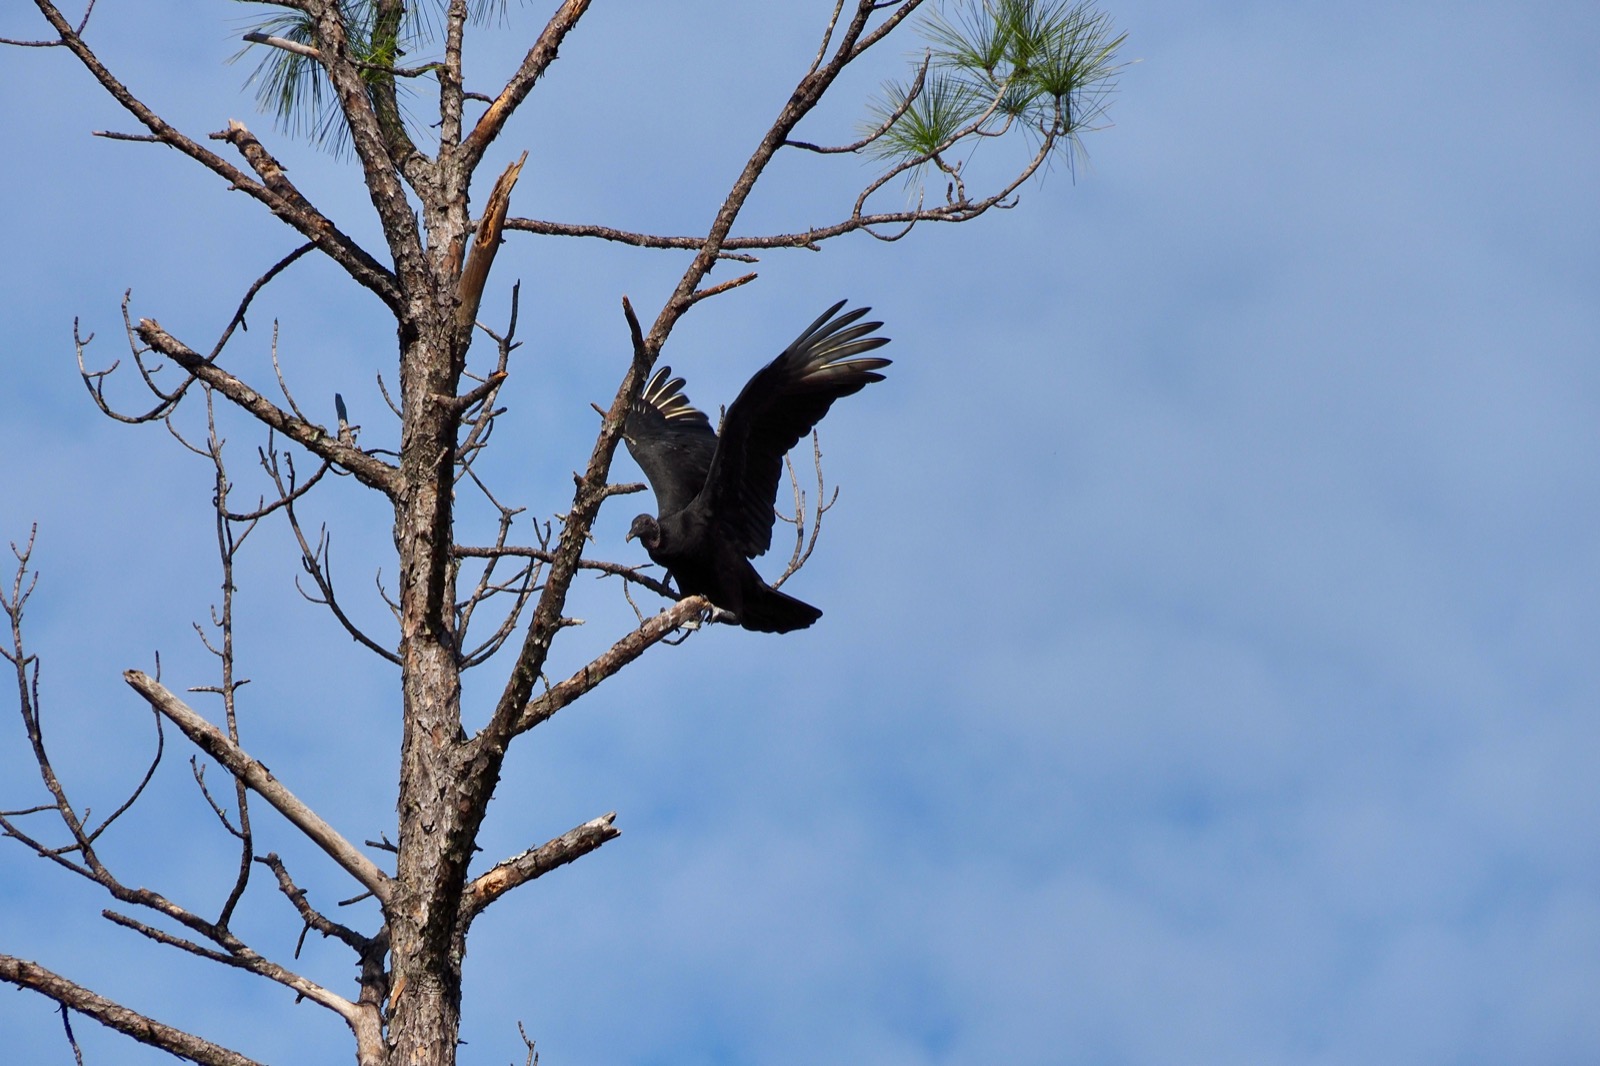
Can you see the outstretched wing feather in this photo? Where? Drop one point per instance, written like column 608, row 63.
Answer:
column 671, row 440
column 781, row 404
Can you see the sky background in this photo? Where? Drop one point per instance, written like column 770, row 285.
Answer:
column 1209, row 667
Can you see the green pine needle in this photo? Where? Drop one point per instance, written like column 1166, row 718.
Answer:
column 295, row 90
column 945, row 106
column 1046, row 67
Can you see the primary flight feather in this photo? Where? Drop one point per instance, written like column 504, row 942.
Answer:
column 715, row 494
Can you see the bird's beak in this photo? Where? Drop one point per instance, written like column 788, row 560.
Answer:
column 627, row 537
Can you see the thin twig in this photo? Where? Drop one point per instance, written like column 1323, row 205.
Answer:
column 72, row 1041
column 894, row 116
column 626, row 571
column 313, row 918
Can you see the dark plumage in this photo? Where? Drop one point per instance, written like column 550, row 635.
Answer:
column 715, row 494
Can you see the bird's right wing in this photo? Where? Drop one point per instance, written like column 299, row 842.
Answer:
column 782, row 403
column 671, row 440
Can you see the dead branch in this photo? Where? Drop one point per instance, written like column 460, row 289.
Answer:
column 626, row 571
column 28, row 703
column 26, row 667
column 114, row 1015
column 804, row 546
column 827, row 36
column 311, row 52
column 715, row 290
column 318, row 564
column 483, row 397
column 268, row 457
column 809, row 239
column 521, row 585
column 138, row 790
column 237, row 952
column 485, row 243
column 486, row 650
column 72, row 1041
column 316, row 561
column 886, row 27
column 545, row 228
column 615, row 658
column 894, row 116
column 533, row 1054
column 539, row 57
column 240, row 957
column 160, row 936
column 197, row 770
column 452, row 90
column 313, row 918
column 293, row 209
column 296, row 47
column 259, row 780
column 536, row 862
column 283, row 386
column 229, row 539
column 95, row 380
column 312, row 437
column 58, row 42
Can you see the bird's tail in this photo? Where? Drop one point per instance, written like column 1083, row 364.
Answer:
column 766, row 610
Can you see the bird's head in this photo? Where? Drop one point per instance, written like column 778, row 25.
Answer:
column 647, row 530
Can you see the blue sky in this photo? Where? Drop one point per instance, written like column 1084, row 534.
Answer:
column 1209, row 670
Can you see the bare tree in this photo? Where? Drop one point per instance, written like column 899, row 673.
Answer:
column 1040, row 69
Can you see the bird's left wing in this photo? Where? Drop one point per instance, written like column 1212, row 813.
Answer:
column 671, row 440
column 780, row 404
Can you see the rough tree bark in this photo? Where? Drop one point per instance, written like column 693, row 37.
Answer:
column 431, row 276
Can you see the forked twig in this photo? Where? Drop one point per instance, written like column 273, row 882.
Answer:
column 804, row 545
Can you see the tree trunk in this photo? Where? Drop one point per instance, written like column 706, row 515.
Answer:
column 425, row 996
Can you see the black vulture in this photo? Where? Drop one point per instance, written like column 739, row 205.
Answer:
column 716, row 494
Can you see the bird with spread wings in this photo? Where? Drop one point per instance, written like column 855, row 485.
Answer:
column 716, row 494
